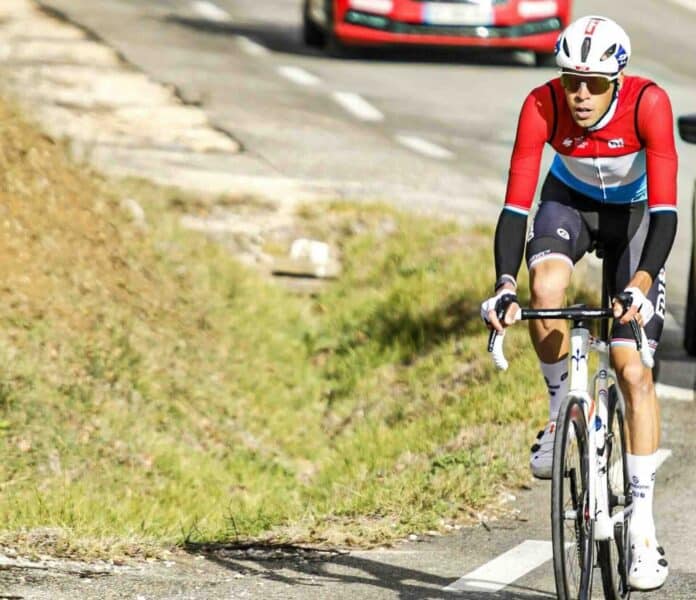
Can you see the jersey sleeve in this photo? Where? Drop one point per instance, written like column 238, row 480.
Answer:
column 534, row 129
column 655, row 125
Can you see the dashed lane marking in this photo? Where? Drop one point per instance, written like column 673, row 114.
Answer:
column 690, row 4
column 357, row 106
column 671, row 322
column 251, row 47
column 662, row 455
column 672, row 392
column 424, row 147
column 506, row 568
column 210, row 11
column 298, row 75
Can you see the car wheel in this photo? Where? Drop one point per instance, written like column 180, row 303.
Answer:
column 312, row 34
column 334, row 47
column 690, row 313
column 544, row 59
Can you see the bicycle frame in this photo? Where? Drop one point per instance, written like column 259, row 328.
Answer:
column 594, row 401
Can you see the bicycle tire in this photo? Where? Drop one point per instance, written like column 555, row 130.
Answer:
column 613, row 554
column 571, row 525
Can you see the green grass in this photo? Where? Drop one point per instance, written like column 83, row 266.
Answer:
column 155, row 392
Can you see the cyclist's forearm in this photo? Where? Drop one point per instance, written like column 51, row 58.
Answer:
column 509, row 244
column 642, row 280
column 658, row 243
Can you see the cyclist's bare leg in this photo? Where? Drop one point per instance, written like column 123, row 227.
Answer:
column 642, row 411
column 648, row 568
column 549, row 280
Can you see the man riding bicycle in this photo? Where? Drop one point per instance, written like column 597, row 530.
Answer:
column 612, row 184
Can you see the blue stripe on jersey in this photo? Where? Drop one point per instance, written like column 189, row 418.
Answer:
column 636, row 191
column 663, row 208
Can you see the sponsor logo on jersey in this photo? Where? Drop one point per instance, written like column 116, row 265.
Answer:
column 580, row 142
column 616, row 143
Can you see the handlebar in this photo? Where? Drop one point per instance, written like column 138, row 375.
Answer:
column 495, row 339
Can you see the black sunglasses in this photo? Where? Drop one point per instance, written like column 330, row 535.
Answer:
column 596, row 84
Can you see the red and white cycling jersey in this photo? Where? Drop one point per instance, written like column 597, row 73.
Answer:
column 629, row 156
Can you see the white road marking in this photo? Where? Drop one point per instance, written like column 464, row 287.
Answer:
column 358, row 106
column 671, row 392
column 671, row 322
column 690, row 4
column 210, row 11
column 298, row 75
column 662, row 455
column 424, row 147
column 251, row 47
column 508, row 567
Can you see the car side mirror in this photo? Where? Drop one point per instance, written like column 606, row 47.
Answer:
column 687, row 128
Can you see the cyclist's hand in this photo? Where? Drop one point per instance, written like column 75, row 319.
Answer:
column 640, row 308
column 503, row 306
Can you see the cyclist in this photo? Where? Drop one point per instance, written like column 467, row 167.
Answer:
column 612, row 182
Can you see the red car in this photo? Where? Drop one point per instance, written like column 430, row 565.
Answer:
column 520, row 24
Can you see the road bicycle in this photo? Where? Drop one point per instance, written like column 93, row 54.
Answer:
column 590, row 491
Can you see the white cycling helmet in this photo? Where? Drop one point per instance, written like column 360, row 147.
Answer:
column 593, row 45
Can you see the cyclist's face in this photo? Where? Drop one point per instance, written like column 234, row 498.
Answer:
column 589, row 98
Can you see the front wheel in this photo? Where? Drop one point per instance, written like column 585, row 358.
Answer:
column 571, row 522
column 613, row 554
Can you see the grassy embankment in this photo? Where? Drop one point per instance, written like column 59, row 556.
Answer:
column 154, row 391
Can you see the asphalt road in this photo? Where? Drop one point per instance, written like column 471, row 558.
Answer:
column 426, row 132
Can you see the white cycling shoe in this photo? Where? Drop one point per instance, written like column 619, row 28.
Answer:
column 541, row 458
column 649, row 568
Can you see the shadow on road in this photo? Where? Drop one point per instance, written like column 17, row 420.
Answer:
column 315, row 569
column 287, row 40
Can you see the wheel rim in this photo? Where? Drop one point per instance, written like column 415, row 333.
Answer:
column 617, row 481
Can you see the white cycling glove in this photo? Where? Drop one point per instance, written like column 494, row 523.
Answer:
column 645, row 307
column 496, row 302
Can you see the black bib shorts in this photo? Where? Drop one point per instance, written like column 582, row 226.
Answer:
column 569, row 224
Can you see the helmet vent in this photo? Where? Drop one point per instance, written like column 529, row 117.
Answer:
column 585, row 49
column 565, row 47
column 611, row 50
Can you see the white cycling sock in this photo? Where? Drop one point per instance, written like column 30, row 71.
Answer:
column 556, row 377
column 641, row 475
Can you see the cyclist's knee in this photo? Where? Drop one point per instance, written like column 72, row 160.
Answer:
column 634, row 376
column 549, row 281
